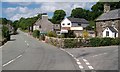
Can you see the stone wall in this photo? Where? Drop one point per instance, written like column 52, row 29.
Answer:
column 101, row 25
column 58, row 42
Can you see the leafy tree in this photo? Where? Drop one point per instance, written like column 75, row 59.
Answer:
column 15, row 26
column 58, row 16
column 5, row 32
column 3, row 21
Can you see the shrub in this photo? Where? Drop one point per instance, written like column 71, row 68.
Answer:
column 106, row 41
column 70, row 34
column 51, row 34
column 70, row 43
column 61, row 36
column 36, row 33
column 95, row 42
column 85, row 34
column 116, row 41
column 5, row 32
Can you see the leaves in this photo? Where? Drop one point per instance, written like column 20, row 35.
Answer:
column 58, row 16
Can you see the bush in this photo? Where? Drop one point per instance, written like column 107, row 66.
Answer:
column 106, row 41
column 51, row 34
column 85, row 34
column 5, row 32
column 70, row 34
column 95, row 42
column 36, row 33
column 70, row 43
column 116, row 41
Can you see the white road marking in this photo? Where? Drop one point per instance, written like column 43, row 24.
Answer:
column 84, row 60
column 81, row 67
column 87, row 63
column 1, row 46
column 11, row 61
column 90, row 67
column 78, row 63
column 99, row 55
column 77, row 60
column 62, row 49
column 25, row 41
column 27, row 44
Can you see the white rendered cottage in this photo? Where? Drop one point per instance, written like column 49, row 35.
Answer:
column 110, row 32
column 75, row 24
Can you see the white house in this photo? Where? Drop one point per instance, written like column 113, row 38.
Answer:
column 110, row 32
column 75, row 24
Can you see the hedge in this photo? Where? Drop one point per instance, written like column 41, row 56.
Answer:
column 93, row 42
column 71, row 43
column 104, row 41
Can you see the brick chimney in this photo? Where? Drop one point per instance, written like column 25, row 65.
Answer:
column 106, row 7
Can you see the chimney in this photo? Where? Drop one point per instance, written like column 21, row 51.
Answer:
column 106, row 7
column 45, row 16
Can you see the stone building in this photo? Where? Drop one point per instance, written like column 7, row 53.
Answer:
column 109, row 18
column 43, row 24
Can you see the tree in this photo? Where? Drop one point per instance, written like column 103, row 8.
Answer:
column 5, row 32
column 58, row 16
column 3, row 21
column 78, row 13
column 15, row 26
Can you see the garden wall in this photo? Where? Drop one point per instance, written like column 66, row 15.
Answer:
column 78, row 42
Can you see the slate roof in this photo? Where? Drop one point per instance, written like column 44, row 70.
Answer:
column 46, row 25
column 112, row 29
column 113, row 14
column 78, row 20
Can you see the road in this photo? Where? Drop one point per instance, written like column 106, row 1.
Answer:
column 100, row 58
column 26, row 53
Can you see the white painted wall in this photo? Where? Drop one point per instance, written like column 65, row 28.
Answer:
column 65, row 22
column 111, row 34
column 35, row 27
column 76, row 28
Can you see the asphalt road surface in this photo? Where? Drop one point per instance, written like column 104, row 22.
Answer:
column 26, row 53
column 99, row 58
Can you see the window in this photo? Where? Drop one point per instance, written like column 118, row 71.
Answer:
column 68, row 24
column 115, row 34
column 107, row 33
column 63, row 24
column 79, row 24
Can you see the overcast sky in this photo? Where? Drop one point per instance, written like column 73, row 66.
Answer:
column 16, row 10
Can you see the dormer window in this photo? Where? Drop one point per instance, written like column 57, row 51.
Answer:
column 68, row 24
